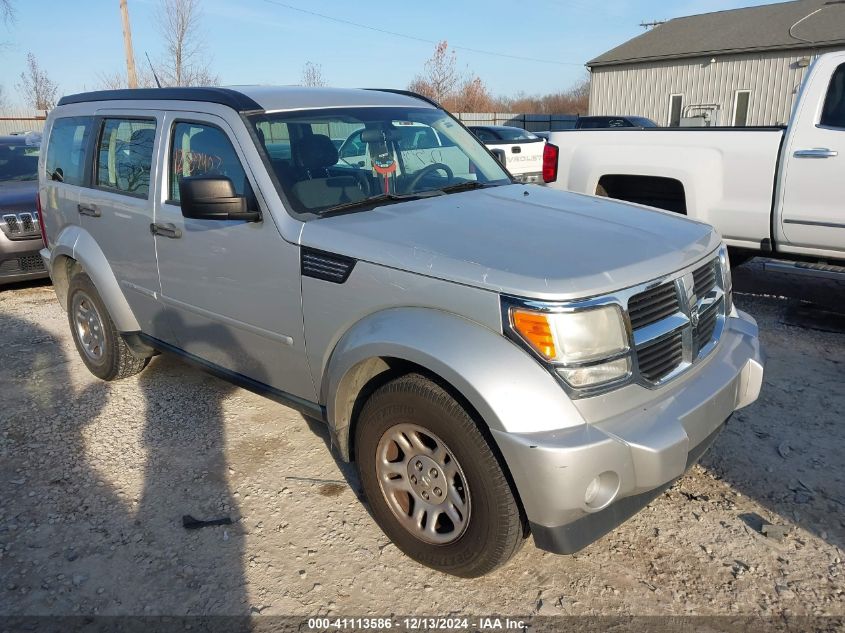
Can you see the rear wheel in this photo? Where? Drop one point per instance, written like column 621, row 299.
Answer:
column 98, row 342
column 433, row 482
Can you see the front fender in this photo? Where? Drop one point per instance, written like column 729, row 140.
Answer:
column 510, row 391
column 76, row 243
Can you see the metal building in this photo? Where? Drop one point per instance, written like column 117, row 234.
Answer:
column 739, row 67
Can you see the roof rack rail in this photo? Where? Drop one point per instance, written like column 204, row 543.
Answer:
column 407, row 93
column 223, row 96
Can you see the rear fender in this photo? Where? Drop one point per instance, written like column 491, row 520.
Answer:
column 76, row 244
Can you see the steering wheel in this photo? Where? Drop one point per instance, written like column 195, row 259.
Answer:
column 363, row 182
column 425, row 171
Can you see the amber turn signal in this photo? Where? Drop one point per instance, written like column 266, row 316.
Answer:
column 535, row 329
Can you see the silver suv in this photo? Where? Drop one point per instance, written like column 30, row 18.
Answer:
column 498, row 359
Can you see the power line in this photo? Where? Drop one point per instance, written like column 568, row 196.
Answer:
column 414, row 37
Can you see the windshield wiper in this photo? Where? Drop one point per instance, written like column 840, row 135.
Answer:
column 382, row 197
column 466, row 186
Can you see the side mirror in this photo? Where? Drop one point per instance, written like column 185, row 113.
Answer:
column 500, row 156
column 213, row 198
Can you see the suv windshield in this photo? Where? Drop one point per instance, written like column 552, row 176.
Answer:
column 353, row 158
column 18, row 161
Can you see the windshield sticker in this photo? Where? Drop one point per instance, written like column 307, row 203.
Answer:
column 384, row 162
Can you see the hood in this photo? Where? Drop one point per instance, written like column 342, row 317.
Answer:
column 522, row 240
column 18, row 195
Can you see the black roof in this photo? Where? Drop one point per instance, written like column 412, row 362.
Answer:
column 224, row 96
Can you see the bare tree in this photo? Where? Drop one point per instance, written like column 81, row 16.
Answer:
column 2, row 98
column 7, row 11
column 312, row 75
column 441, row 76
column 472, row 96
column 575, row 100
column 37, row 89
column 186, row 60
column 117, row 80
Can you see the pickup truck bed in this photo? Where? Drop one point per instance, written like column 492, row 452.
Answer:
column 775, row 191
column 734, row 169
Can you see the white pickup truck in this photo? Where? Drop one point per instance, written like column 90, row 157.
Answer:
column 520, row 151
column 778, row 192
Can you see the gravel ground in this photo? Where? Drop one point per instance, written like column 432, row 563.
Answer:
column 96, row 477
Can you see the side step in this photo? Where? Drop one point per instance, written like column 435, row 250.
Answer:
column 819, row 271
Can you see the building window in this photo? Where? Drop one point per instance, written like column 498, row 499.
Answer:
column 741, row 99
column 676, row 107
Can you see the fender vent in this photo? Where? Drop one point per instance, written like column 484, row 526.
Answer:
column 326, row 266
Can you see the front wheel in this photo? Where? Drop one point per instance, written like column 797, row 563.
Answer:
column 433, row 482
column 98, row 342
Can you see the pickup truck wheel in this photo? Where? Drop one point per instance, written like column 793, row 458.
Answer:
column 98, row 342
column 432, row 480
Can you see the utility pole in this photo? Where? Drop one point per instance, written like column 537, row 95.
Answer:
column 131, row 75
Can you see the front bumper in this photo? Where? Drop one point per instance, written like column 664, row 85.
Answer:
column 627, row 459
column 20, row 260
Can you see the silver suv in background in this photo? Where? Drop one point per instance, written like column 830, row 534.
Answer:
column 498, row 359
column 20, row 234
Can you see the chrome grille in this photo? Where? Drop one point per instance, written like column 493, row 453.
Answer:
column 678, row 322
column 20, row 226
column 704, row 278
column 706, row 328
column 12, row 223
column 661, row 357
column 652, row 305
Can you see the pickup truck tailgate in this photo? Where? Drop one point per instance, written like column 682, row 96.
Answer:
column 524, row 160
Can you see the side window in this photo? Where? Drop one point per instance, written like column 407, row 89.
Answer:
column 676, row 108
column 353, row 146
column 275, row 137
column 201, row 149
column 125, row 156
column 741, row 103
column 833, row 113
column 66, row 149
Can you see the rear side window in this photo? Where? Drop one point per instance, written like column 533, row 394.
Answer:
column 125, row 156
column 833, row 114
column 203, row 150
column 66, row 149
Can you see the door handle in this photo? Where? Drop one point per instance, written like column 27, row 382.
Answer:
column 818, row 152
column 90, row 210
column 166, row 230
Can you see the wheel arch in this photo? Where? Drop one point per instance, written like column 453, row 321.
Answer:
column 662, row 192
column 77, row 251
column 464, row 357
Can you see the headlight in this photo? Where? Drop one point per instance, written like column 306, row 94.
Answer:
column 727, row 281
column 587, row 347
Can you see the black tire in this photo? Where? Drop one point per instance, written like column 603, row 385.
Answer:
column 115, row 360
column 494, row 529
